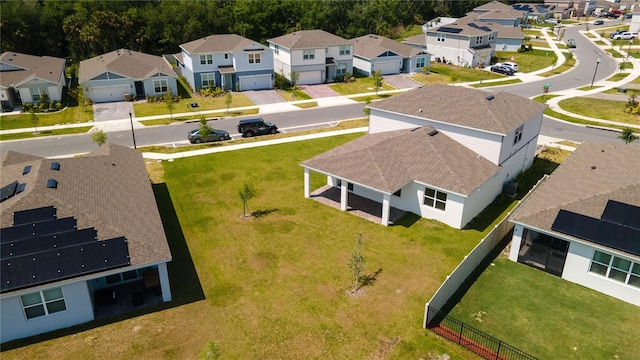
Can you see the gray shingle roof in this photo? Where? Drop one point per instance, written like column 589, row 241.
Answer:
column 387, row 161
column 592, row 175
column 307, row 39
column 108, row 189
column 129, row 63
column 464, row 107
column 419, row 39
column 467, row 26
column 371, row 46
column 493, row 5
column 44, row 67
column 219, row 43
column 502, row 14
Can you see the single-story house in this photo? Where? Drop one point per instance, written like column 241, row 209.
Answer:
column 403, row 168
column 533, row 11
column 24, row 78
column 378, row 53
column 124, row 73
column 228, row 61
column 583, row 222
column 509, row 38
column 80, row 238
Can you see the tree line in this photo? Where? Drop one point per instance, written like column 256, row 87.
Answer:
column 77, row 30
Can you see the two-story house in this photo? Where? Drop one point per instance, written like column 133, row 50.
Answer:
column 316, row 56
column 466, row 42
column 24, row 78
column 227, row 61
column 498, row 13
column 442, row 152
column 378, row 53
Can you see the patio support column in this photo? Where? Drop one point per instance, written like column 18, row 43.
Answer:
column 307, row 184
column 386, row 207
column 164, row 282
column 343, row 195
column 516, row 240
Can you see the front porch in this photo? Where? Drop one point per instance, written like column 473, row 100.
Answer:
column 122, row 298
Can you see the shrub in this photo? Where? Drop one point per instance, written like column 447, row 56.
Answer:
column 281, row 82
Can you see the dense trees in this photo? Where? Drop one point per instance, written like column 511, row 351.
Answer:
column 84, row 28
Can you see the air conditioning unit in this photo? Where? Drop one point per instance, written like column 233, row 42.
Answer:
column 510, row 188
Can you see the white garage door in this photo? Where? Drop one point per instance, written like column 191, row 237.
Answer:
column 387, row 67
column 310, row 77
column 109, row 93
column 255, row 82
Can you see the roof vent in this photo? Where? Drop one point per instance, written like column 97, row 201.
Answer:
column 419, row 110
column 55, row 166
column 52, row 184
column 490, row 97
column 593, row 167
column 433, row 132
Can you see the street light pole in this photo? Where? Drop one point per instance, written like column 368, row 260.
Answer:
column 595, row 71
column 134, row 134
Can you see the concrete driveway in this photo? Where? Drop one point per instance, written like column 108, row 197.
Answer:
column 262, row 97
column 400, row 81
column 112, row 111
column 318, row 91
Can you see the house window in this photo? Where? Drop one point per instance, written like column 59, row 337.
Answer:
column 420, row 63
column 206, row 59
column 36, row 93
column 276, row 49
column 518, row 135
column 308, row 54
column 435, row 198
column 441, row 37
column 160, row 86
column 341, row 69
column 226, row 56
column 478, row 40
column 398, row 193
column 43, row 303
column 616, row 268
column 345, row 49
column 492, row 36
column 208, row 80
column 254, row 58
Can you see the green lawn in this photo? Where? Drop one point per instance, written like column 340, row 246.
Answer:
column 600, row 108
column 569, row 62
column 212, row 116
column 204, row 103
column 497, row 83
column 452, row 73
column 293, row 94
column 549, row 317
column 360, row 85
column 42, row 133
column 70, row 115
column 529, row 61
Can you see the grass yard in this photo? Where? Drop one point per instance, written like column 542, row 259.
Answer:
column 204, row 103
column 529, row 61
column 42, row 133
column 293, row 94
column 360, row 85
column 70, row 115
column 549, row 317
column 569, row 62
column 211, row 116
column 497, row 83
column 600, row 108
column 447, row 74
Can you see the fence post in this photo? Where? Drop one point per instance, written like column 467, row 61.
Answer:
column 460, row 337
column 498, row 351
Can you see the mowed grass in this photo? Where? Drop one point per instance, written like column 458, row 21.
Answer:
column 204, row 103
column 362, row 84
column 69, row 115
column 612, row 110
column 276, row 287
column 549, row 317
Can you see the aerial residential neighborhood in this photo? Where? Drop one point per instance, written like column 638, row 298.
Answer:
column 428, row 181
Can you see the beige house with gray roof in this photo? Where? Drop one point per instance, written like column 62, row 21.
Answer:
column 112, row 76
column 469, row 144
column 24, row 78
column 81, row 238
column 583, row 222
column 378, row 53
column 316, row 56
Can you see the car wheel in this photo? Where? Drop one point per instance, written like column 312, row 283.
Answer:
column 273, row 131
column 248, row 134
column 197, row 141
column 222, row 138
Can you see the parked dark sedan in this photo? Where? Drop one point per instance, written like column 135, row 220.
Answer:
column 598, row 22
column 214, row 135
column 502, row 69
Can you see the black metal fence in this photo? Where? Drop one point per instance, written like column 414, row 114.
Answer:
column 471, row 338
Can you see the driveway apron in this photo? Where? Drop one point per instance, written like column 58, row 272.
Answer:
column 318, row 91
column 112, row 111
column 263, row 97
column 400, row 81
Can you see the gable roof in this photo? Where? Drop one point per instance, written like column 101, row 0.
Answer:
column 305, row 39
column 129, row 63
column 508, row 13
column 29, row 66
column 388, row 161
column 491, row 6
column 464, row 107
column 420, row 40
column 510, row 32
column 371, row 46
column 594, row 174
column 219, row 43
column 108, row 189
column 466, row 26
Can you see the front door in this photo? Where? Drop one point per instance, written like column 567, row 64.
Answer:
column 227, row 82
column 139, row 89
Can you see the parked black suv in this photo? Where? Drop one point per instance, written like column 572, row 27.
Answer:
column 257, row 126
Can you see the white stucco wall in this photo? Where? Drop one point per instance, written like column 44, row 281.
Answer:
column 14, row 325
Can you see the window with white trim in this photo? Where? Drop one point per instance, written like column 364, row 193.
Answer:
column 160, row 86
column 36, row 93
column 345, row 49
column 616, row 268
column 518, row 135
column 441, row 37
column 276, row 49
column 435, row 198
column 43, row 303
column 420, row 63
column 226, row 56
column 341, row 69
column 206, row 59
column 308, row 54
column 254, row 58
column 478, row 40
column 492, row 36
column 208, row 80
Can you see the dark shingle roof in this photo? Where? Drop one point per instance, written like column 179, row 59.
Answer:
column 594, row 174
column 43, row 67
column 108, row 189
column 464, row 107
column 307, row 39
column 219, row 43
column 371, row 46
column 387, row 161
column 129, row 63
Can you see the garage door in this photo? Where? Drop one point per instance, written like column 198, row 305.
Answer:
column 310, row 77
column 387, row 68
column 109, row 93
column 255, row 82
